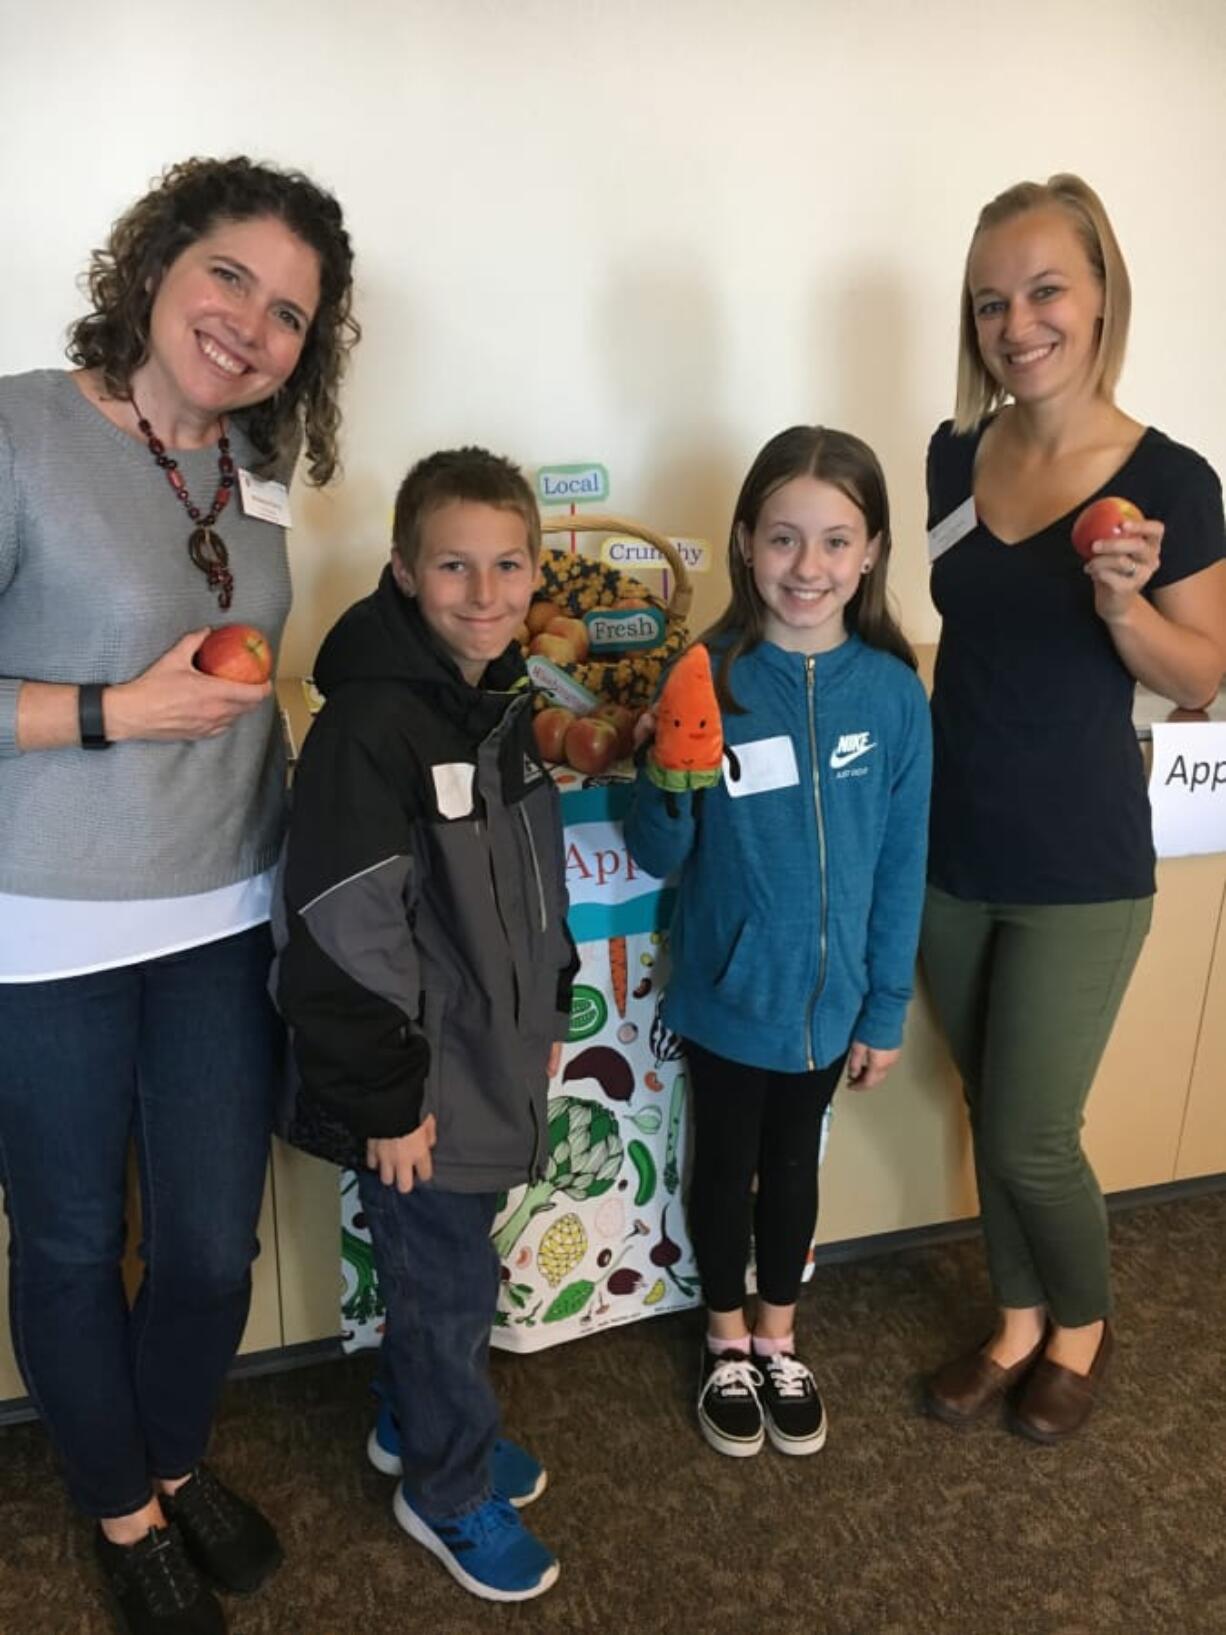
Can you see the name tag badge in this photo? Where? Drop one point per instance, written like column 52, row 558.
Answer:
column 765, row 764
column 952, row 528
column 265, row 500
column 453, row 788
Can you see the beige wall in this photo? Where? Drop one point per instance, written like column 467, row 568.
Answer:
column 649, row 232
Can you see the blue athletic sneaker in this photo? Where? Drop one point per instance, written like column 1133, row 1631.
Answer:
column 489, row 1551
column 515, row 1474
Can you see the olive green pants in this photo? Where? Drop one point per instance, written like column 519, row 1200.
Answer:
column 1027, row 995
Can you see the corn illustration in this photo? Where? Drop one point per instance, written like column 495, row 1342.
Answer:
column 562, row 1247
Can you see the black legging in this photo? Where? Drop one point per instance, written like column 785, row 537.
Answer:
column 749, row 1121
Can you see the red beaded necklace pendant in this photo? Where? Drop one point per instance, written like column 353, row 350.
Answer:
column 205, row 547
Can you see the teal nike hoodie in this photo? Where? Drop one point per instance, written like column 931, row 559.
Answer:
column 801, row 874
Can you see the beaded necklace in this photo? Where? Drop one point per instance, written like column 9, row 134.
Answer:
column 206, row 548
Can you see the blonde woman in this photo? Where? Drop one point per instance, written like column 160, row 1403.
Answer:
column 1041, row 871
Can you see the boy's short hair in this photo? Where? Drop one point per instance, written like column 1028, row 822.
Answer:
column 472, row 474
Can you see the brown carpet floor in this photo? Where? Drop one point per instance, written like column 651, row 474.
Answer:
column 900, row 1527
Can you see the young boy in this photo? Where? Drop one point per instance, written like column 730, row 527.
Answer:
column 424, row 969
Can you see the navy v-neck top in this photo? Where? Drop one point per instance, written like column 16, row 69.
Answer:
column 1038, row 789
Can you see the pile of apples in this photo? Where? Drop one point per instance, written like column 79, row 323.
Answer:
column 588, row 743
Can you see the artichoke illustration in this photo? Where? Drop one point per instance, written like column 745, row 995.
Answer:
column 562, row 1247
column 585, row 1156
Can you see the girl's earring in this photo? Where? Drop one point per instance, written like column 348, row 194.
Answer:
column 866, row 567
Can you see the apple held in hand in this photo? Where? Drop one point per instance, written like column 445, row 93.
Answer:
column 549, row 728
column 235, row 652
column 591, row 744
column 572, row 630
column 1100, row 520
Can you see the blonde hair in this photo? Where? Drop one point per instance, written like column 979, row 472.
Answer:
column 978, row 393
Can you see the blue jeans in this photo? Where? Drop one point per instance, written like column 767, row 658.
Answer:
column 438, row 1273
column 183, row 1055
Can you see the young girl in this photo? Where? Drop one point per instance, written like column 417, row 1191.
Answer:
column 801, row 883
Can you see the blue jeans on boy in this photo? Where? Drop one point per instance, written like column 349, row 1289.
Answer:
column 438, row 1273
column 182, row 1053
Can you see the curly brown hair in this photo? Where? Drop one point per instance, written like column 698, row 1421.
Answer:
column 188, row 201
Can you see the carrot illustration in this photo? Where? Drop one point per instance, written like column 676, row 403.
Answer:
column 689, row 743
column 619, row 972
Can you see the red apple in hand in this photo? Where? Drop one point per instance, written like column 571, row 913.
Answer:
column 572, row 630
column 622, row 718
column 1100, row 520
column 549, row 729
column 235, row 652
column 591, row 744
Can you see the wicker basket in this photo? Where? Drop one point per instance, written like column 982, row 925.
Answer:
column 579, row 584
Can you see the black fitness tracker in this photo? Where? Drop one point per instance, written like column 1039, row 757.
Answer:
column 89, row 717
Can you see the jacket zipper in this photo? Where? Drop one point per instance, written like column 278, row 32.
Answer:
column 536, row 867
column 483, row 831
column 821, row 861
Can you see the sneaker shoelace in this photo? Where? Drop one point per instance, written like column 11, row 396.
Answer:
column 737, row 1377
column 495, row 1516
column 211, row 1512
column 789, row 1376
column 164, row 1576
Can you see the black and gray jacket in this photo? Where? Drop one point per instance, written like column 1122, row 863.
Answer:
column 424, row 964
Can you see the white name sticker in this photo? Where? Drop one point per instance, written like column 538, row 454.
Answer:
column 453, row 788
column 266, row 501
column 952, row 528
column 766, row 764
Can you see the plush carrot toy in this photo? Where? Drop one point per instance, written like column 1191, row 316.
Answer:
column 687, row 751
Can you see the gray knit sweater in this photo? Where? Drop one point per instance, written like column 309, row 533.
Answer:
column 96, row 583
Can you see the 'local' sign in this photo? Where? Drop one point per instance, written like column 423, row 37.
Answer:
column 572, row 484
column 1187, row 788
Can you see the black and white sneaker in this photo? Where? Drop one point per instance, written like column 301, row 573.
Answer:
column 791, row 1404
column 728, row 1408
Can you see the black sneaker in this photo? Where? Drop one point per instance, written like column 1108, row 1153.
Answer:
column 728, row 1409
column 155, row 1588
column 793, row 1409
column 228, row 1539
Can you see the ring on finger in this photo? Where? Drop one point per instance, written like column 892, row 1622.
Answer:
column 1130, row 568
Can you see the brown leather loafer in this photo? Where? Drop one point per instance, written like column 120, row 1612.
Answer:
column 965, row 1389
column 1056, row 1402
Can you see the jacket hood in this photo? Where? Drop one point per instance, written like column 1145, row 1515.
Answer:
column 384, row 638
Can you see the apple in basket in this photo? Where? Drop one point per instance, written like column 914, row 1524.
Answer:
column 558, row 649
column 540, row 614
column 623, row 719
column 549, row 728
column 591, row 744
column 235, row 652
column 571, row 630
column 1100, row 520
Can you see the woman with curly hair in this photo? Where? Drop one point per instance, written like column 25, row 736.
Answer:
column 141, row 500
